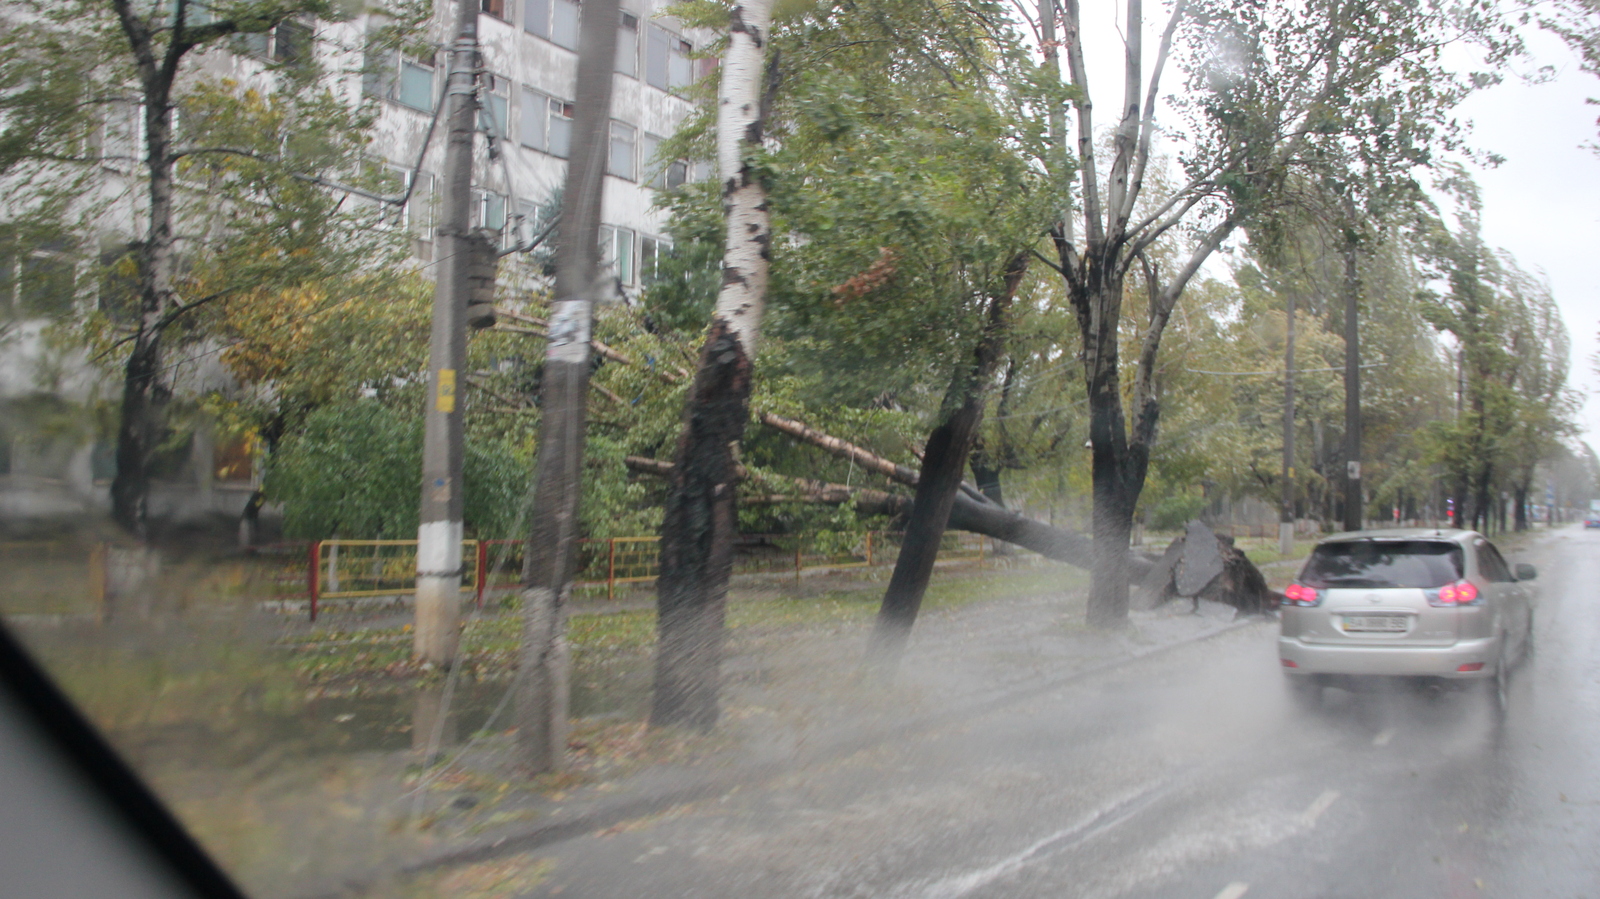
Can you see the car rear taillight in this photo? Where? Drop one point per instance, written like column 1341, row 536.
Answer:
column 1301, row 595
column 1460, row 593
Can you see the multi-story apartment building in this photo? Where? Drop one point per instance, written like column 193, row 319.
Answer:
column 529, row 50
column 529, row 72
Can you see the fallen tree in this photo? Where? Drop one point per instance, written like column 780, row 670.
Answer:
column 863, row 458
column 966, row 514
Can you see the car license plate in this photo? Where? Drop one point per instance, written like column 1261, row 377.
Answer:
column 1375, row 623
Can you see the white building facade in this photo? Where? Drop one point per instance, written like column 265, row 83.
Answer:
column 529, row 65
column 529, row 50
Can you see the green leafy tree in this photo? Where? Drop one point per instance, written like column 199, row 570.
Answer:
column 351, row 470
column 224, row 197
column 1271, row 90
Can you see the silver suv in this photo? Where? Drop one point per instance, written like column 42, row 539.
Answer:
column 1435, row 604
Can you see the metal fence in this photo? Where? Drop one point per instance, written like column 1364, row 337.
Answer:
column 351, row 569
column 320, row 571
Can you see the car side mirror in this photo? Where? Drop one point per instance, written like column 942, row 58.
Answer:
column 1526, row 572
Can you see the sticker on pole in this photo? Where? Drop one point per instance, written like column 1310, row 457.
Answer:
column 569, row 332
column 446, row 399
column 1352, row 470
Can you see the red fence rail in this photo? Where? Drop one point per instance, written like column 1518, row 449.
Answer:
column 318, row 571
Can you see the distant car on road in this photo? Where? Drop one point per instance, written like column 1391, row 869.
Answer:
column 1440, row 606
column 1593, row 521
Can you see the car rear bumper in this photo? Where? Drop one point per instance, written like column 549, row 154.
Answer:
column 1390, row 661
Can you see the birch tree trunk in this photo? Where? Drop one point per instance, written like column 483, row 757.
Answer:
column 145, row 391
column 701, row 519
column 551, row 554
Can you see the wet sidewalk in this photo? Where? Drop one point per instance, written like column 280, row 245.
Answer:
column 789, row 704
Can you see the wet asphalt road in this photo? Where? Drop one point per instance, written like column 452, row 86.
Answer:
column 1185, row 775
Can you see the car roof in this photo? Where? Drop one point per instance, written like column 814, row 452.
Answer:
column 1455, row 535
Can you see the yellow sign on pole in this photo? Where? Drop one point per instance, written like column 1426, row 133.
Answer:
column 447, row 391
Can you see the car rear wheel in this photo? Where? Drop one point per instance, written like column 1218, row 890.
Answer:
column 1498, row 687
column 1527, row 643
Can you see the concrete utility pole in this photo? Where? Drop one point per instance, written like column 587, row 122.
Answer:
column 439, row 525
column 1286, row 512
column 1353, row 505
column 551, row 554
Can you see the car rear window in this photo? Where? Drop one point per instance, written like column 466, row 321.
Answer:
column 1383, row 563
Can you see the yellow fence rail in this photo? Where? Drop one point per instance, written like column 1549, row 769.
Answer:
column 351, row 569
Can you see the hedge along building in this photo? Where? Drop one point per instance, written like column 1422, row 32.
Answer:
column 526, row 88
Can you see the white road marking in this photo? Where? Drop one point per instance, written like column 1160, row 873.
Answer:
column 1109, row 816
column 1383, row 737
column 1234, row 890
column 1318, row 806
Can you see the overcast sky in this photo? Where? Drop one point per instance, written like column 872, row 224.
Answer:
column 1543, row 203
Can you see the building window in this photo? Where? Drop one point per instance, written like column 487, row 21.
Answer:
column 546, row 123
column 667, row 64
column 628, row 45
column 525, row 223
column 257, row 44
column 553, row 20
column 616, row 251
column 534, row 127
column 496, row 8
column 536, row 17
column 291, row 42
column 651, row 250
column 560, row 128
column 8, row 278
column 288, row 43
column 495, row 114
column 38, row 284
column 195, row 13
column 564, row 23
column 119, row 284
column 489, row 210
column 416, row 85
column 418, row 211
column 624, row 147
column 402, row 79
column 416, row 216
column 122, row 139
column 659, row 173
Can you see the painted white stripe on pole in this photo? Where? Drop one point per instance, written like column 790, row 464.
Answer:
column 439, row 547
column 1234, row 890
